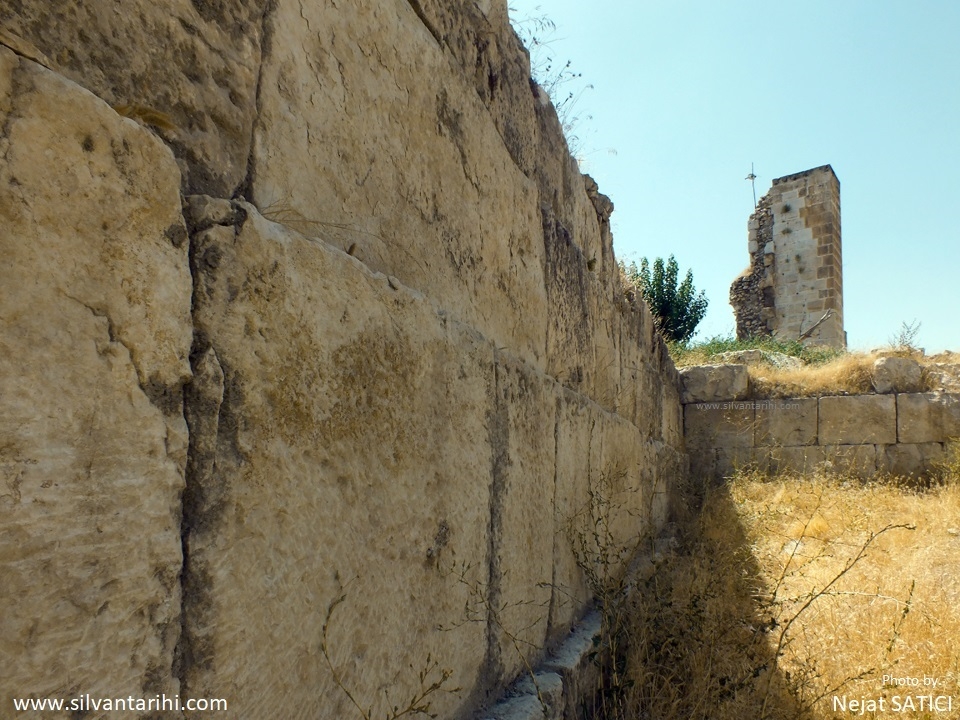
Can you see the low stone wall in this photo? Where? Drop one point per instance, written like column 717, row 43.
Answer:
column 901, row 433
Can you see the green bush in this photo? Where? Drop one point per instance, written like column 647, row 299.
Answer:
column 677, row 308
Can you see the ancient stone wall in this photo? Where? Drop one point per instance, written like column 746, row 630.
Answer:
column 896, row 431
column 314, row 353
column 795, row 276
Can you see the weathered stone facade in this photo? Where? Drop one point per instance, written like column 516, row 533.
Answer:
column 302, row 302
column 795, row 277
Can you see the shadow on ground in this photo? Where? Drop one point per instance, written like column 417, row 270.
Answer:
column 702, row 637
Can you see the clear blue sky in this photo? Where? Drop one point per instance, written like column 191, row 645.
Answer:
column 686, row 94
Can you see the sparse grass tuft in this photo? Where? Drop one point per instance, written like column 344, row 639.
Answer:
column 705, row 351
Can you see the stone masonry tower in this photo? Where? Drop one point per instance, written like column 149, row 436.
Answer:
column 795, row 276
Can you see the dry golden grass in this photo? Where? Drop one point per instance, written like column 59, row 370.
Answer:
column 825, row 371
column 847, row 374
column 789, row 592
column 896, row 611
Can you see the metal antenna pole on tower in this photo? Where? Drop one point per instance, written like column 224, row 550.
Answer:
column 752, row 178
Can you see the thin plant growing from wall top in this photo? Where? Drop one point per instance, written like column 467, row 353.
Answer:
column 559, row 80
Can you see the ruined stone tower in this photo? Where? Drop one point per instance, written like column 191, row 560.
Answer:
column 795, row 277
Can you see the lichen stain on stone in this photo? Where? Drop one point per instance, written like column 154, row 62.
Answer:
column 374, row 387
column 293, row 391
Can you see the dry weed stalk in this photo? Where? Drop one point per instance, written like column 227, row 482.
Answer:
column 882, row 602
column 432, row 678
column 606, row 551
column 344, row 235
column 736, row 623
column 480, row 608
column 786, row 620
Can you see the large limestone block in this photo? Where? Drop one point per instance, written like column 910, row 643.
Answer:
column 652, row 409
column 786, row 422
column 343, row 437
column 94, row 337
column 583, row 337
column 523, row 515
column 780, row 459
column 628, row 492
column 369, row 138
column 928, row 417
column 910, row 459
column 725, row 426
column 703, row 464
column 950, row 415
column 672, row 419
column 612, row 498
column 612, row 491
column 860, row 461
column 576, row 417
column 896, row 374
column 731, row 460
column 858, row 419
column 714, row 383
column 188, row 68
column 588, row 333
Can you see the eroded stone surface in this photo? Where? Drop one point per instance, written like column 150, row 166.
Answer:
column 928, row 417
column 856, row 419
column 789, row 422
column 860, row 460
column 94, row 337
column 714, row 383
column 389, row 448
column 896, row 374
column 353, row 456
column 727, row 426
column 944, row 377
column 351, row 142
column 731, row 460
column 187, row 68
column 909, row 459
column 804, row 460
column 523, row 496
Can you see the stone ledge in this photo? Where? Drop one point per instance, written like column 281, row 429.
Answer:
column 564, row 679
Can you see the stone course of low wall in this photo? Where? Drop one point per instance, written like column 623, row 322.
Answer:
column 898, row 433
